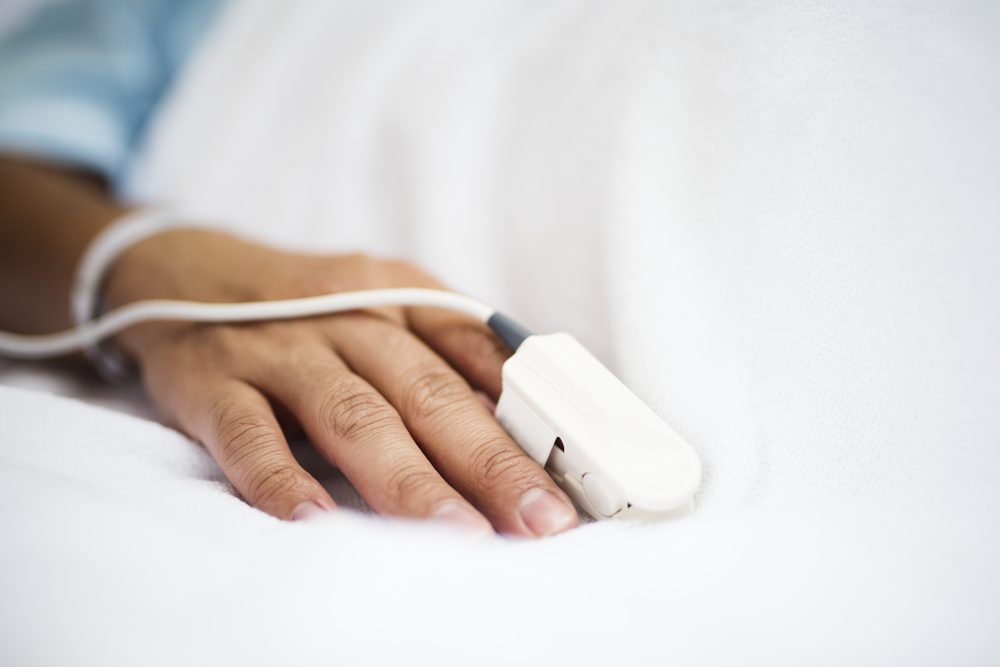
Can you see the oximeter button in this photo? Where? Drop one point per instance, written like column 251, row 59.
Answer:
column 600, row 497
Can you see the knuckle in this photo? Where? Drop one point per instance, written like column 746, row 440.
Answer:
column 357, row 259
column 218, row 343
column 412, row 481
column 270, row 480
column 242, row 437
column 342, row 273
column 431, row 391
column 396, row 262
column 400, row 266
column 353, row 410
column 240, row 434
column 494, row 461
column 357, row 267
column 407, row 273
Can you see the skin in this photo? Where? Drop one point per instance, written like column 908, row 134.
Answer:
column 392, row 397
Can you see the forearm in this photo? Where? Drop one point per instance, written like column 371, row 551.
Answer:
column 48, row 215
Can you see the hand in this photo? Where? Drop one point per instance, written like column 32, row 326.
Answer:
column 387, row 395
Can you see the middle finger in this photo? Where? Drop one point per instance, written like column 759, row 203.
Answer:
column 360, row 433
column 453, row 427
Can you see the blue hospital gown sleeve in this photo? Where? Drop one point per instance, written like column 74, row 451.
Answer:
column 79, row 78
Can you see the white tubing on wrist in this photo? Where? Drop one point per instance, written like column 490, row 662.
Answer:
column 141, row 224
column 98, row 258
column 50, row 345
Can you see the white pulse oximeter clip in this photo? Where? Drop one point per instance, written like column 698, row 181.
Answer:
column 606, row 448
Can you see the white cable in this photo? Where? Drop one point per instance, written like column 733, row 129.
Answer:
column 104, row 249
column 43, row 346
column 101, row 253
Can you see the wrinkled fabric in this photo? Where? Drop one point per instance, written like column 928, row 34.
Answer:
column 776, row 224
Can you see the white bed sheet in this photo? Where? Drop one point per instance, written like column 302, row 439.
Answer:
column 778, row 225
column 123, row 545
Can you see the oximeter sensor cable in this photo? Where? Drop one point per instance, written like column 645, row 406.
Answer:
column 20, row 346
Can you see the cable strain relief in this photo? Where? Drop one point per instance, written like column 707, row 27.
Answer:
column 509, row 331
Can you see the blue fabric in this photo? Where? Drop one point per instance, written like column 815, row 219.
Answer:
column 79, row 78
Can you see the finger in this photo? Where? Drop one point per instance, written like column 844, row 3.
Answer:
column 360, row 433
column 241, row 432
column 457, row 433
column 466, row 343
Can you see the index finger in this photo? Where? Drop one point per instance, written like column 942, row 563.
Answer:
column 466, row 343
column 469, row 345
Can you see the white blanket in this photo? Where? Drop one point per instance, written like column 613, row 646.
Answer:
column 778, row 225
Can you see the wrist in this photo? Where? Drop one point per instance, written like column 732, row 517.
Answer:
column 188, row 264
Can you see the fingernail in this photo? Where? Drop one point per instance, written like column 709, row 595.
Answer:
column 307, row 510
column 544, row 514
column 459, row 514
